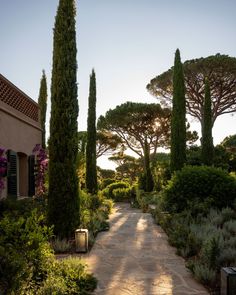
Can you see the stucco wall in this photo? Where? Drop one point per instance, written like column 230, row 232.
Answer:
column 18, row 132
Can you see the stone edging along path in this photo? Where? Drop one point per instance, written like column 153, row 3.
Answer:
column 134, row 258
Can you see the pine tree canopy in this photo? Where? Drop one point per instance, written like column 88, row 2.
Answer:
column 221, row 72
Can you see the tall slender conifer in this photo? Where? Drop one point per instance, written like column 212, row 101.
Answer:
column 63, row 201
column 149, row 184
column 42, row 101
column 91, row 165
column 178, row 118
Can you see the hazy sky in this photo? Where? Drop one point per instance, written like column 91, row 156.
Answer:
column 128, row 42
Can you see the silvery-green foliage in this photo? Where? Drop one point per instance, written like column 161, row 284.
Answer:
column 211, row 250
column 227, row 257
column 204, row 274
column 228, row 214
column 61, row 245
column 226, row 234
column 202, row 231
column 214, row 217
column 185, row 252
column 230, row 226
column 230, row 243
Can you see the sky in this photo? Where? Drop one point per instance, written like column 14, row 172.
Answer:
column 127, row 42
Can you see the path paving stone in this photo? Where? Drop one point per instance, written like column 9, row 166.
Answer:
column 134, row 258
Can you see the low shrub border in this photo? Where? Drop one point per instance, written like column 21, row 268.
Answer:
column 207, row 241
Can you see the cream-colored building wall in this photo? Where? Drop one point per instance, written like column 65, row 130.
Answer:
column 18, row 132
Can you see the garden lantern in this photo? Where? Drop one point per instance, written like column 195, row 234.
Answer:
column 228, row 281
column 81, row 240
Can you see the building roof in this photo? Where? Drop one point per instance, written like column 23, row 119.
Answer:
column 17, row 99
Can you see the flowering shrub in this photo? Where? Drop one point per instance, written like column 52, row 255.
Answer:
column 42, row 166
column 3, row 168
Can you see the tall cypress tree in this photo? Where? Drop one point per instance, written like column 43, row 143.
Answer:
column 42, row 101
column 207, row 140
column 63, row 202
column 178, row 124
column 91, row 165
column 149, row 184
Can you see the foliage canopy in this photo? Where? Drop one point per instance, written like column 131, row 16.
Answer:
column 135, row 122
column 221, row 72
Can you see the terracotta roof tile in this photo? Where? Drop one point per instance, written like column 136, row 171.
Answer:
column 17, row 99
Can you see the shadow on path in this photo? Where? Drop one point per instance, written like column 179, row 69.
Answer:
column 134, row 258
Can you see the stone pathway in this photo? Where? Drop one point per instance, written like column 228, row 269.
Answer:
column 134, row 258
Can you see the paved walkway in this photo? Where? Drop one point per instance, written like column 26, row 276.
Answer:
column 134, row 258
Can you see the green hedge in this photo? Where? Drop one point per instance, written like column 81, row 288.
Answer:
column 108, row 191
column 23, row 207
column 121, row 194
column 199, row 189
column 105, row 182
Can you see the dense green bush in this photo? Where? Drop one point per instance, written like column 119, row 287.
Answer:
column 121, row 194
column 95, row 202
column 69, row 277
column 108, row 191
column 26, row 256
column 198, row 189
column 28, row 265
column 105, row 182
column 23, row 207
column 90, row 202
column 222, row 157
